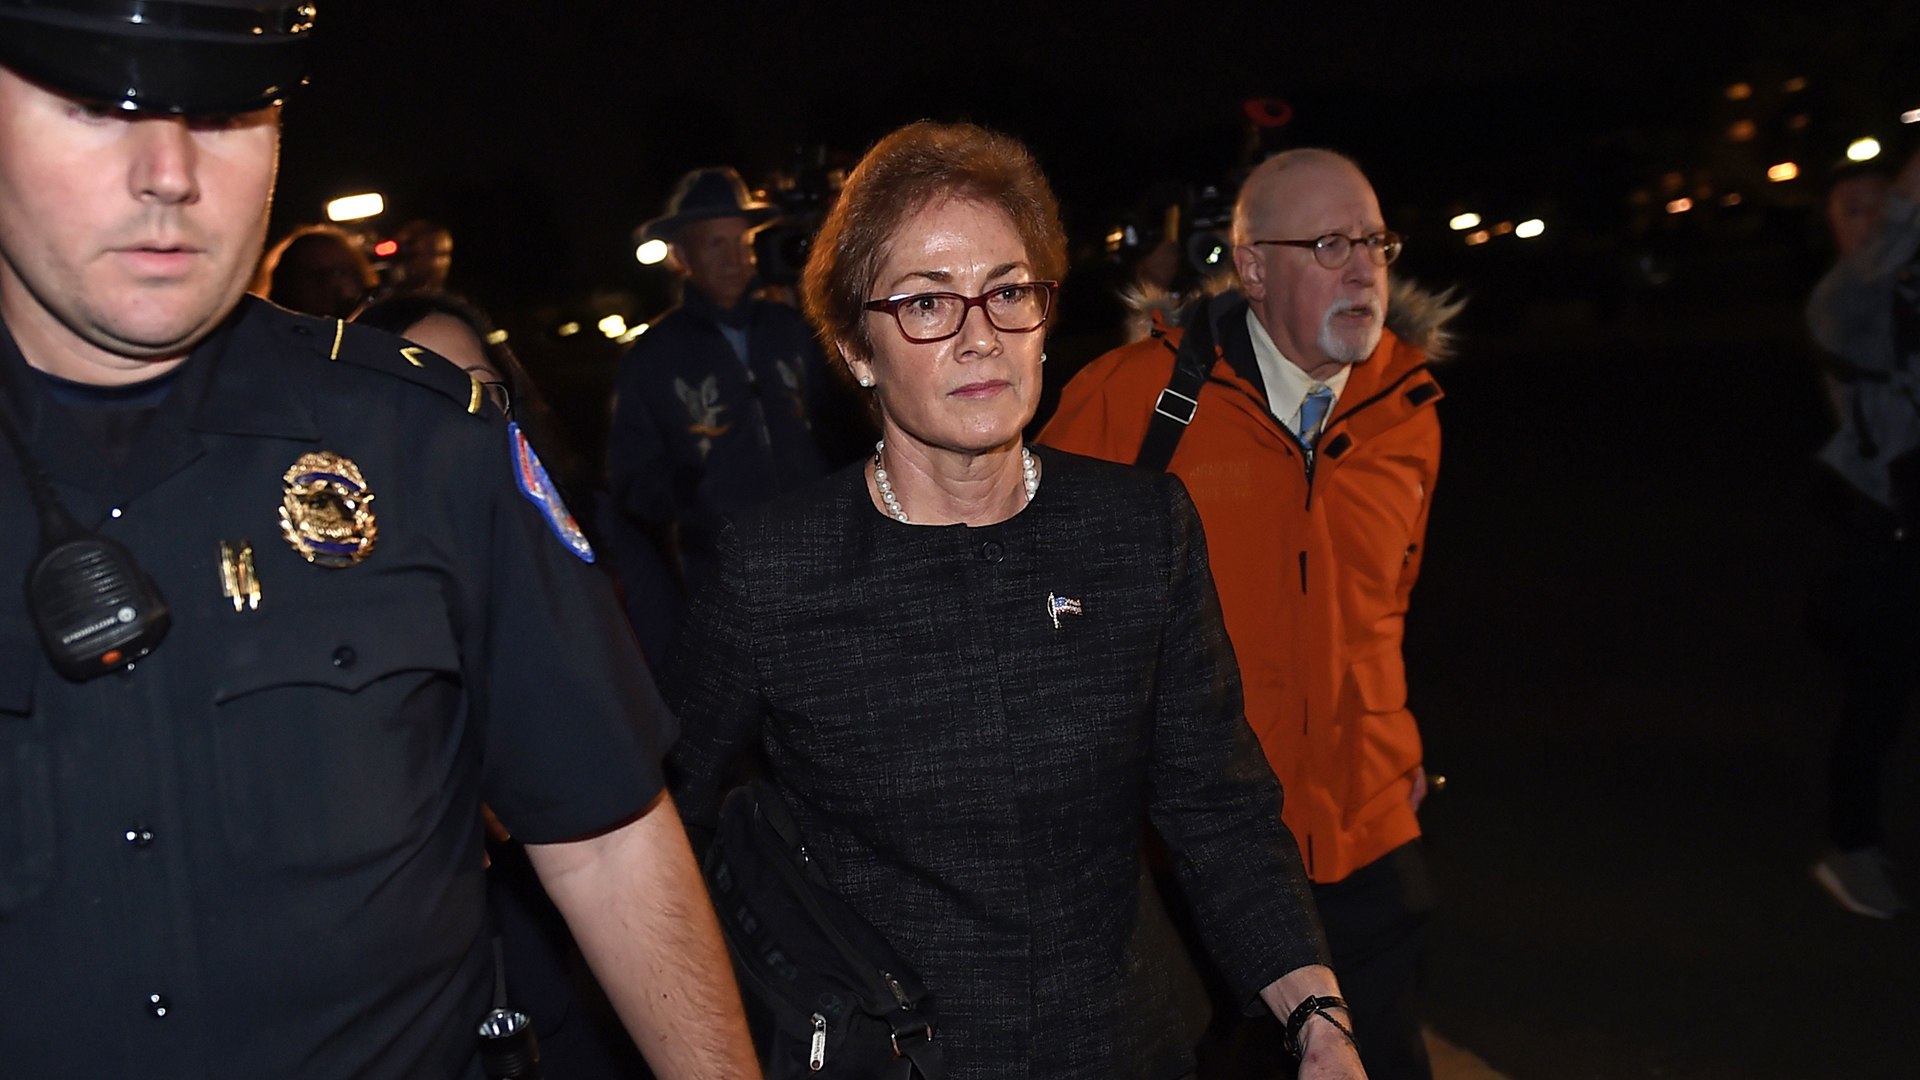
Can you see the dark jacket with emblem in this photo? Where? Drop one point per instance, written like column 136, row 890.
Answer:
column 697, row 433
column 258, row 852
column 975, row 776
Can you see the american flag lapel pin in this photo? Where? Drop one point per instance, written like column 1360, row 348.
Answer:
column 1060, row 605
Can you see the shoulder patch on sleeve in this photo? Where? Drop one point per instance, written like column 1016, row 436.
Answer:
column 537, row 486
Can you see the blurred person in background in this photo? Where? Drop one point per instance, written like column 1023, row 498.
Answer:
column 1865, row 313
column 423, row 259
column 1299, row 410
column 713, row 406
column 316, row 270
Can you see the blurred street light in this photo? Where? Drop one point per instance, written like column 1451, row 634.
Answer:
column 1863, row 149
column 1786, row 170
column 1478, row 236
column 1911, row 116
column 1739, row 92
column 355, row 207
column 632, row 333
column 1795, row 84
column 1529, row 228
column 1463, row 222
column 1741, row 131
column 612, row 326
column 386, row 248
column 1731, row 198
column 496, row 337
column 651, row 252
column 1680, row 205
column 568, row 329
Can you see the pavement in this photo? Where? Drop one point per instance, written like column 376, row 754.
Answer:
column 1608, row 659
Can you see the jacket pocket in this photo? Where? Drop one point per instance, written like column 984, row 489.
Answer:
column 334, row 731
column 26, row 782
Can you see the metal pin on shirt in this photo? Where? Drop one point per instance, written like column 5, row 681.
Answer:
column 1060, row 605
column 238, row 582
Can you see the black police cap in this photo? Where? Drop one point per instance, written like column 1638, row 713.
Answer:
column 173, row 56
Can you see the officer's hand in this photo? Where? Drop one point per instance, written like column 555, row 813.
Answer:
column 1325, row 1054
column 1419, row 794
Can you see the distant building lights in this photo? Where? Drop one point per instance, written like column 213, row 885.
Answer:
column 385, row 248
column 1741, row 131
column 1680, row 205
column 1863, row 149
column 1529, row 228
column 1783, row 172
column 1463, row 222
column 651, row 252
column 1731, row 198
column 355, row 207
column 633, row 333
column 1795, row 84
column 496, row 337
column 612, row 326
column 1798, row 122
column 568, row 329
column 1503, row 228
column 1478, row 236
column 1911, row 116
column 1739, row 92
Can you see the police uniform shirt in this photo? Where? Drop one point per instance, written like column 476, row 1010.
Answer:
column 257, row 851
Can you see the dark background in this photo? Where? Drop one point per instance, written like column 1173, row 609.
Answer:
column 1607, row 648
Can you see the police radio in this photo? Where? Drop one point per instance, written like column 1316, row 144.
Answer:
column 95, row 609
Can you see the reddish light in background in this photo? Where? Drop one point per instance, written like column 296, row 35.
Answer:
column 386, row 247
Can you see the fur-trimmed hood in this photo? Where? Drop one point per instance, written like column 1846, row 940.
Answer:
column 1417, row 316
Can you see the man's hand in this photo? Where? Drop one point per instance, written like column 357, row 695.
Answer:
column 1325, row 1054
column 1419, row 793
column 637, row 905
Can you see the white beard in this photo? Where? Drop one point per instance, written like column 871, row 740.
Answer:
column 1348, row 348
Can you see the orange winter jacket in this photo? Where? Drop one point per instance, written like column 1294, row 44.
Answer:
column 1314, row 566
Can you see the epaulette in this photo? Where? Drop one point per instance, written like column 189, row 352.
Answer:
column 365, row 347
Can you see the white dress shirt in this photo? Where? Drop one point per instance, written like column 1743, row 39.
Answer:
column 1287, row 385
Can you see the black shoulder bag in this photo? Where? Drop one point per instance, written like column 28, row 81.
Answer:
column 1174, row 409
column 845, row 1005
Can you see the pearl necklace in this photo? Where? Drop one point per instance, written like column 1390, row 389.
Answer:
column 1027, row 471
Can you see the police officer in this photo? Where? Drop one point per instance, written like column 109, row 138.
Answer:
column 256, row 849
column 715, row 405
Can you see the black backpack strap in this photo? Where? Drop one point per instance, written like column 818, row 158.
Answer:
column 1177, row 404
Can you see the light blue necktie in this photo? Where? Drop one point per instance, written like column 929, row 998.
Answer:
column 1312, row 411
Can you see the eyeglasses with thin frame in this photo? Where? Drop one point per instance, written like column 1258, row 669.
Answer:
column 924, row 318
column 1334, row 250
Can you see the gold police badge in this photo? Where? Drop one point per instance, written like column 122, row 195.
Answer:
column 324, row 513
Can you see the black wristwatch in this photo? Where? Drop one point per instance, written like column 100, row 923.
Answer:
column 1309, row 1008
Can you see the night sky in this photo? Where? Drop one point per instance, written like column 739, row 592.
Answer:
column 545, row 132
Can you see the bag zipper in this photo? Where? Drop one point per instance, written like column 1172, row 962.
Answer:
column 817, row 1056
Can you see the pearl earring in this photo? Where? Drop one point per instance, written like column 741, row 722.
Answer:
column 866, row 380
column 1043, row 358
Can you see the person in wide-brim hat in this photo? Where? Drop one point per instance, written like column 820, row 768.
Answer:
column 705, row 194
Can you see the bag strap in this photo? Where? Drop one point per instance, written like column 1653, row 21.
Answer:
column 1174, row 409
column 772, row 809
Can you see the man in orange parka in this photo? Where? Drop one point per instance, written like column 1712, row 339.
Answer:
column 1306, row 432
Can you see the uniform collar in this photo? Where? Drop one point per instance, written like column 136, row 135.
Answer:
column 230, row 384
column 255, row 381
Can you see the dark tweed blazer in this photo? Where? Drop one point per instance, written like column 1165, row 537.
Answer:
column 975, row 771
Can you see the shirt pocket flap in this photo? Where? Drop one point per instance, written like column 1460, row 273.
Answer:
column 1382, row 681
column 19, row 666
column 344, row 648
